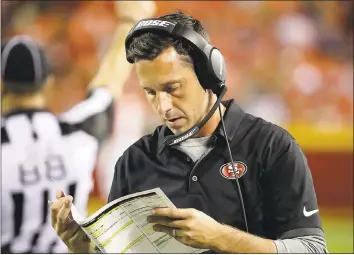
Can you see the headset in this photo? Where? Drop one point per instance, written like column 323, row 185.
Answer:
column 210, row 68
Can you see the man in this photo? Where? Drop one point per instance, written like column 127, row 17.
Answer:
column 196, row 174
column 41, row 153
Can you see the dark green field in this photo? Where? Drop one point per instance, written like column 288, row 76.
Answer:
column 339, row 233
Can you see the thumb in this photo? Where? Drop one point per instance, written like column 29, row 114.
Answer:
column 59, row 194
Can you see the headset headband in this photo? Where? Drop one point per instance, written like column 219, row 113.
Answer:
column 174, row 29
column 209, row 63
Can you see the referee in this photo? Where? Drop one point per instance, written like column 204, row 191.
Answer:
column 42, row 153
column 240, row 183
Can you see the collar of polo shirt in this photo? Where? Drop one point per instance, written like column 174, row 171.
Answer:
column 232, row 118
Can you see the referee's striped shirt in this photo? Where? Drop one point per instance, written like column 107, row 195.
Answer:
column 38, row 147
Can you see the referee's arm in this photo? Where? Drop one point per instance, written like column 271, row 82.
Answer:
column 114, row 69
column 95, row 114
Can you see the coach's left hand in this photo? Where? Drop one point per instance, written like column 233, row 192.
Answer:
column 192, row 227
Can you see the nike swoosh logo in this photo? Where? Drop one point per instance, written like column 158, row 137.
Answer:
column 309, row 213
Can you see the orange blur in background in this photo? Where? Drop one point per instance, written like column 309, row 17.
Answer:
column 289, row 62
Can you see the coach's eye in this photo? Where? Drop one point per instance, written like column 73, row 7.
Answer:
column 169, row 90
column 172, row 88
column 150, row 91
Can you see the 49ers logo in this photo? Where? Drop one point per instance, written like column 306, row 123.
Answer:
column 227, row 172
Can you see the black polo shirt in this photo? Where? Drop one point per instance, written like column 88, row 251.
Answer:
column 275, row 179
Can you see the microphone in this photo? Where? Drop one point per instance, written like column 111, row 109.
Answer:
column 175, row 139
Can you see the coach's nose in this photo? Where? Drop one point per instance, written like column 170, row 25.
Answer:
column 164, row 103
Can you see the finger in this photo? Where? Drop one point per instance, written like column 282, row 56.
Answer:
column 164, row 229
column 59, row 194
column 175, row 213
column 158, row 219
column 169, row 222
column 62, row 218
column 178, row 233
column 54, row 210
column 78, row 238
column 70, row 231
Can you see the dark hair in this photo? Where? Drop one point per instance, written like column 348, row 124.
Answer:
column 149, row 45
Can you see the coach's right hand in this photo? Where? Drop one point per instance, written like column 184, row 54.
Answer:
column 68, row 230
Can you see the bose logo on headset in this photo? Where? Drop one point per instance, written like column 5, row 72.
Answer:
column 192, row 132
column 159, row 23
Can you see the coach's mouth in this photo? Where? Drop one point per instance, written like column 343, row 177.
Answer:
column 174, row 119
column 175, row 122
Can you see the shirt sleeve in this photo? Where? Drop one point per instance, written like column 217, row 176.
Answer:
column 302, row 244
column 94, row 115
column 290, row 206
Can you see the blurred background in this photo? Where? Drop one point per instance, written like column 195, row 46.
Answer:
column 289, row 62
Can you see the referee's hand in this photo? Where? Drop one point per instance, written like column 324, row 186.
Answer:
column 189, row 226
column 135, row 10
column 67, row 229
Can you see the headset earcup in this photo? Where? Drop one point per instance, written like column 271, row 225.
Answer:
column 217, row 65
column 211, row 69
column 201, row 70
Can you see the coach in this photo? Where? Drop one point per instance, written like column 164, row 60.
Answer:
column 265, row 203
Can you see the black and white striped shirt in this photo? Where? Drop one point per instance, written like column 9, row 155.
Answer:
column 38, row 147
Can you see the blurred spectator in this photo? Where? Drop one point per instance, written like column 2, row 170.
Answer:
column 288, row 61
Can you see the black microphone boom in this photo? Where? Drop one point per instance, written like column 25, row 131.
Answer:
column 172, row 139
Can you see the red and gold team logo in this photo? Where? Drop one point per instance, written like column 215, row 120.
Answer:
column 227, row 172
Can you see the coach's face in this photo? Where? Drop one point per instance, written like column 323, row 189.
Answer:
column 173, row 90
